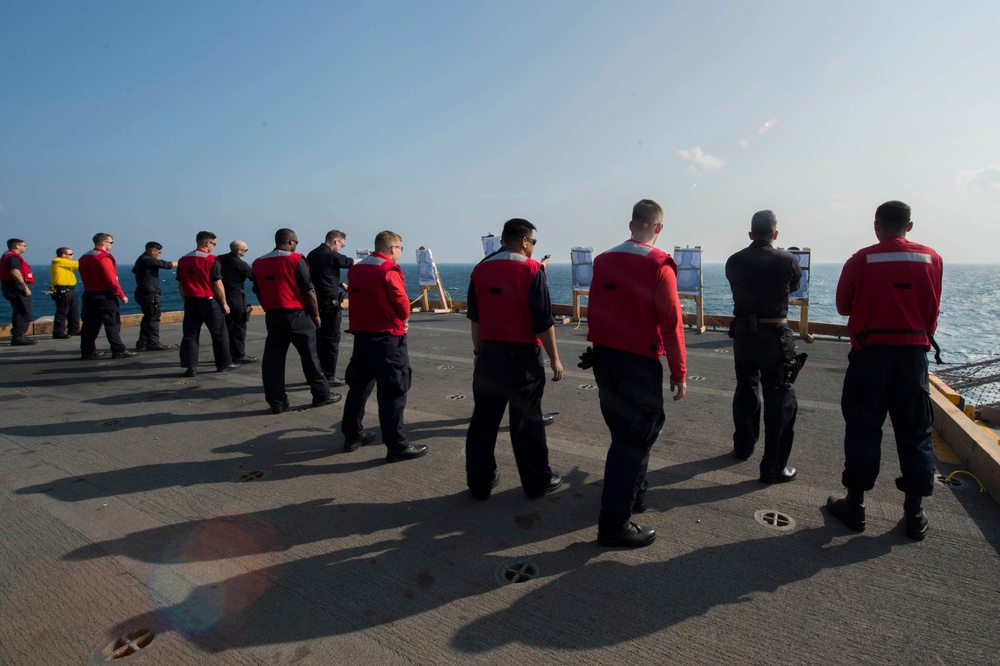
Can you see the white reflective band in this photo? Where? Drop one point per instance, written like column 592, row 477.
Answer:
column 632, row 248
column 372, row 260
column 916, row 257
column 507, row 256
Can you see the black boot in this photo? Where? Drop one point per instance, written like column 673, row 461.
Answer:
column 914, row 517
column 850, row 510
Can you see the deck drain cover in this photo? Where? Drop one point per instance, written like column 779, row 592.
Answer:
column 437, row 348
column 587, row 387
column 696, row 378
column 186, row 381
column 774, row 519
column 252, row 475
column 518, row 570
column 111, row 423
column 456, row 396
column 125, row 646
column 721, row 351
column 955, row 482
column 446, row 367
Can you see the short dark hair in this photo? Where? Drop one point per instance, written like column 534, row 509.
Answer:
column 101, row 237
column 763, row 224
column 283, row 236
column 514, row 229
column 153, row 245
column 204, row 236
column 334, row 234
column 62, row 250
column 13, row 242
column 384, row 240
column 893, row 217
column 647, row 212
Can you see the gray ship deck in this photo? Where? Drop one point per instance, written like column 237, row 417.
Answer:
column 120, row 512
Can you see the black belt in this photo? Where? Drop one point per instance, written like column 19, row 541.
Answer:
column 903, row 331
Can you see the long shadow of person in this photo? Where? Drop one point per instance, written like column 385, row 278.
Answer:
column 282, row 454
column 609, row 602
column 663, row 494
column 283, row 528
column 443, row 554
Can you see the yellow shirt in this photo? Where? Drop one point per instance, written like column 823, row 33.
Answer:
column 61, row 270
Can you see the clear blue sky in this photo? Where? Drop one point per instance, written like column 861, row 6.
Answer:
column 440, row 120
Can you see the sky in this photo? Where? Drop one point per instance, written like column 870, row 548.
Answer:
column 441, row 120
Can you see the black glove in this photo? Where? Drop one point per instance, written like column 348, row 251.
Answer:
column 586, row 359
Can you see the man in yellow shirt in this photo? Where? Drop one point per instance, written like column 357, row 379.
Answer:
column 64, row 294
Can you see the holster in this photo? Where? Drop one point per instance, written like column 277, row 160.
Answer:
column 329, row 304
column 150, row 303
column 63, row 296
column 793, row 362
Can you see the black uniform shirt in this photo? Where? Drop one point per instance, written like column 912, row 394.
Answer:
column 324, row 269
column 235, row 272
column 761, row 278
column 147, row 272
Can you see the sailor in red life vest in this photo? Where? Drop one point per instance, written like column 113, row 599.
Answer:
column 892, row 293
column 101, row 292
column 15, row 276
column 634, row 316
column 199, row 281
column 511, row 317
column 379, row 312
column 282, row 284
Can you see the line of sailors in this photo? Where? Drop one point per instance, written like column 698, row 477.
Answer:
column 891, row 292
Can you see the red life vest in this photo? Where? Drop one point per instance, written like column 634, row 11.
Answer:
column 274, row 275
column 623, row 311
column 378, row 300
column 5, row 273
column 503, row 283
column 893, row 293
column 97, row 275
column 194, row 272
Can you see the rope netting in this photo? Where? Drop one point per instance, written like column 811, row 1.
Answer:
column 978, row 383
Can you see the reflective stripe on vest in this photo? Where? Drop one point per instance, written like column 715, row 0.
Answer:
column 885, row 257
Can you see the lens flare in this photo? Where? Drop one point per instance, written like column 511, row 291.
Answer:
column 203, row 582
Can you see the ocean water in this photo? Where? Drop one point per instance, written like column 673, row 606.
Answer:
column 967, row 330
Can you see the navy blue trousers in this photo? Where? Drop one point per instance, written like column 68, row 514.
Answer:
column 20, row 306
column 328, row 340
column 760, row 370
column 207, row 311
column 296, row 328
column 67, row 311
column 236, row 323
column 379, row 359
column 880, row 380
column 512, row 374
column 149, row 326
column 631, row 393
column 100, row 308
